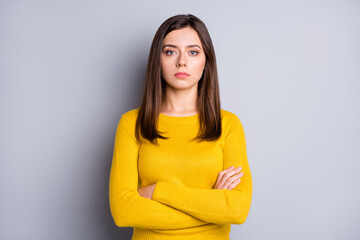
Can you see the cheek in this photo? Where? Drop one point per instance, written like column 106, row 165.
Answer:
column 199, row 65
column 165, row 66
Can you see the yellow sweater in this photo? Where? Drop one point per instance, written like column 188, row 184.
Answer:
column 184, row 204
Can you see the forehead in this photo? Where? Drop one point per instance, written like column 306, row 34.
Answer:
column 184, row 36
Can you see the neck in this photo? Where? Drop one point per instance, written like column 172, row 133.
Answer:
column 180, row 101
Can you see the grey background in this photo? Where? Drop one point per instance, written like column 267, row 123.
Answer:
column 288, row 69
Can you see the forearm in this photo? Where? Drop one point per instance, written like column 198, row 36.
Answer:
column 219, row 206
column 131, row 210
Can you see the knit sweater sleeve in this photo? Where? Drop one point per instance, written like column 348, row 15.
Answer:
column 127, row 207
column 218, row 206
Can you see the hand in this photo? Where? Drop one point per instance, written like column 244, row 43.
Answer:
column 228, row 178
column 147, row 191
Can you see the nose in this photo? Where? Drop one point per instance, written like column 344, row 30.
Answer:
column 181, row 62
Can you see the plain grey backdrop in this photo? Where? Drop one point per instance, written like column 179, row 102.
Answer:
column 290, row 70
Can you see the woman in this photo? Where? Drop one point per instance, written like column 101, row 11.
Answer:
column 180, row 168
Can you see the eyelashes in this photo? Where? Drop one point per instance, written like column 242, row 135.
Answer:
column 167, row 52
column 192, row 53
column 196, row 52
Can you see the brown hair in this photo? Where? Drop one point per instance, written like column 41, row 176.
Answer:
column 208, row 102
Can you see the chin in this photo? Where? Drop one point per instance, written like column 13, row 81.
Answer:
column 181, row 84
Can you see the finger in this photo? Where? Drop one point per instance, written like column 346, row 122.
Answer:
column 224, row 182
column 219, row 177
column 236, row 176
column 231, row 172
column 235, row 170
column 226, row 171
column 231, row 179
column 234, row 184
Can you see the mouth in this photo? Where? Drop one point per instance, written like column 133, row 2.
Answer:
column 181, row 75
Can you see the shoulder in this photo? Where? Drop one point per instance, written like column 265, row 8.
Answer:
column 128, row 119
column 228, row 117
column 230, row 120
column 131, row 115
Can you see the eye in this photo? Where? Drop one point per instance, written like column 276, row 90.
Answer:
column 194, row 53
column 166, row 52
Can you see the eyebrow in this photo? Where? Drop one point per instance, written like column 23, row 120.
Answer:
column 174, row 46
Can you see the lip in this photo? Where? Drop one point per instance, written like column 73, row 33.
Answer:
column 182, row 74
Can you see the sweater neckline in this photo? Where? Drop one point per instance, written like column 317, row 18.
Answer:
column 176, row 119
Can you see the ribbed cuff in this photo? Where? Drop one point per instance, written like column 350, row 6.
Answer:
column 164, row 193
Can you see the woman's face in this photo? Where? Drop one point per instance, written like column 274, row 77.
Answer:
column 182, row 52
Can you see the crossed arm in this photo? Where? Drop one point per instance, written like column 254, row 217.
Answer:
column 173, row 206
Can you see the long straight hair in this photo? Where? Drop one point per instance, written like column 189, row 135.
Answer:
column 208, row 101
